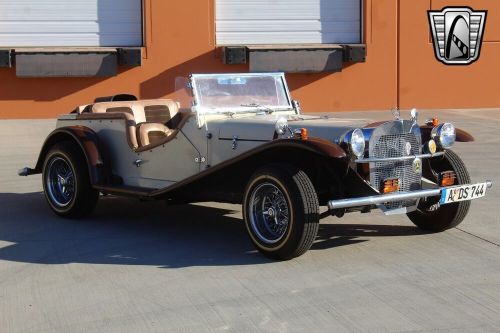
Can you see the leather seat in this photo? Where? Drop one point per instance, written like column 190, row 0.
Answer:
column 158, row 114
column 152, row 132
column 128, row 113
column 147, row 120
column 160, row 111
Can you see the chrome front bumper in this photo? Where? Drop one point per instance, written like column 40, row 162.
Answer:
column 385, row 198
column 399, row 158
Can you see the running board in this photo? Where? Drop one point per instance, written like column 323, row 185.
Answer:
column 130, row 191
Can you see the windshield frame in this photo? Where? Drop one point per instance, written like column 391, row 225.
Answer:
column 239, row 109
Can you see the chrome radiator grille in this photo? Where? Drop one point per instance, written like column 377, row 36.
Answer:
column 394, row 145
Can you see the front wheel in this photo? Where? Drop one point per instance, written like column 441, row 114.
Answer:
column 281, row 211
column 66, row 182
column 430, row 216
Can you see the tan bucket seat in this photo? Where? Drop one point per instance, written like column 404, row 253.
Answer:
column 147, row 120
column 159, row 115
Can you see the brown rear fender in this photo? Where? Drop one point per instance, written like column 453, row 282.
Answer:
column 88, row 142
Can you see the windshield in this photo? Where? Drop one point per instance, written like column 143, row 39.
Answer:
column 240, row 92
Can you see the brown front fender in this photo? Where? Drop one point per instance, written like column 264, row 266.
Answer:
column 232, row 175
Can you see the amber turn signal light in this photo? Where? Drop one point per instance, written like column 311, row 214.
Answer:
column 448, row 178
column 302, row 133
column 390, row 185
column 432, row 121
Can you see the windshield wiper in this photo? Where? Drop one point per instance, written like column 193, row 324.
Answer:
column 268, row 110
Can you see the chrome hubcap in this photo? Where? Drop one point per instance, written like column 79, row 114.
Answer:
column 269, row 213
column 60, row 182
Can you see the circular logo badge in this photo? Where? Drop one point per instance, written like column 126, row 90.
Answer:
column 408, row 148
column 417, row 165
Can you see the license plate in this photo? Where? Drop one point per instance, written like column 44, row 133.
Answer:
column 463, row 193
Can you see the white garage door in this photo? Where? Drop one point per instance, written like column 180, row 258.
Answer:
column 59, row 23
column 288, row 21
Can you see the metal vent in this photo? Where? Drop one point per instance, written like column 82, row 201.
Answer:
column 394, row 145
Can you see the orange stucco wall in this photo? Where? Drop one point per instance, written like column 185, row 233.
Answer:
column 180, row 39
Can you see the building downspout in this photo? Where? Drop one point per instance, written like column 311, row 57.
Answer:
column 398, row 55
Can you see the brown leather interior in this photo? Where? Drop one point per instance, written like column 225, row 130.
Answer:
column 182, row 118
column 129, row 121
column 152, row 132
column 157, row 114
column 149, row 123
column 160, row 111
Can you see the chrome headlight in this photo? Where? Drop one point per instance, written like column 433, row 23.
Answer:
column 444, row 135
column 281, row 125
column 355, row 141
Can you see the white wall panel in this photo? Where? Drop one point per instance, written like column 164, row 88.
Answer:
column 288, row 21
column 62, row 23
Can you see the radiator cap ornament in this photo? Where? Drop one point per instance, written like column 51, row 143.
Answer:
column 396, row 113
column 414, row 115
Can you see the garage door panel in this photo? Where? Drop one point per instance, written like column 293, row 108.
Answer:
column 298, row 38
column 281, row 22
column 308, row 9
column 61, row 23
column 47, row 28
column 296, row 26
column 65, row 41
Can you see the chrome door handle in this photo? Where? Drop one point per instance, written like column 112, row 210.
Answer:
column 234, row 146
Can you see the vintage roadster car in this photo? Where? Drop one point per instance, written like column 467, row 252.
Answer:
column 240, row 138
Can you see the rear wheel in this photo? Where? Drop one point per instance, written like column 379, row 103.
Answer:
column 430, row 216
column 66, row 182
column 281, row 211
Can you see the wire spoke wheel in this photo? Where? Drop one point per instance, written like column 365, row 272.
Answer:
column 66, row 182
column 269, row 213
column 60, row 182
column 281, row 211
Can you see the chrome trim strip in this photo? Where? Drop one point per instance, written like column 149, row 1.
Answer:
column 401, row 158
column 380, row 199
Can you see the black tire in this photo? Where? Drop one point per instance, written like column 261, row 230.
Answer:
column 447, row 216
column 73, row 196
column 281, row 184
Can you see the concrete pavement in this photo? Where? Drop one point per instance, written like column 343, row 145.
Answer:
column 144, row 267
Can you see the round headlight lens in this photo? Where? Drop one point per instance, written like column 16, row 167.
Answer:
column 281, row 125
column 445, row 135
column 357, row 142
